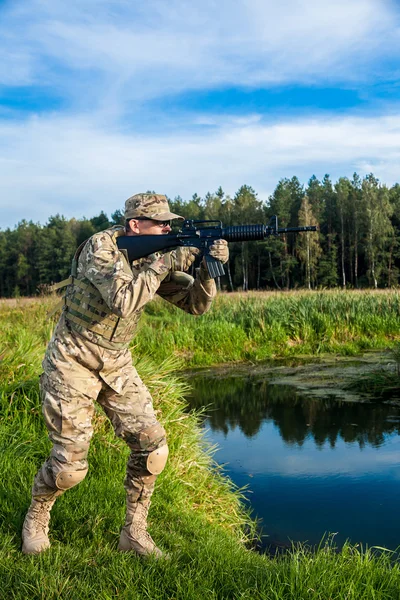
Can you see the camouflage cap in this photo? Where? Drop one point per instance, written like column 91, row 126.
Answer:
column 152, row 206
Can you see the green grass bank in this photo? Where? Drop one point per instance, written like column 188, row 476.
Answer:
column 196, row 514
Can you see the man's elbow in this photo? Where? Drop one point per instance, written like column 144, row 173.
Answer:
column 199, row 310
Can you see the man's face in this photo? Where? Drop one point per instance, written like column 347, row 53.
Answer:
column 149, row 227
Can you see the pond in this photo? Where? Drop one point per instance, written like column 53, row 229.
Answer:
column 313, row 461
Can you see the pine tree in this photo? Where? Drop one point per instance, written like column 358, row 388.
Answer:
column 56, row 247
column 315, row 195
column 377, row 210
column 100, row 222
column 393, row 271
column 355, row 225
column 308, row 248
column 285, row 203
column 328, row 267
column 342, row 187
column 247, row 209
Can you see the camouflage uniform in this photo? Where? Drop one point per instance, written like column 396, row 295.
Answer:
column 88, row 360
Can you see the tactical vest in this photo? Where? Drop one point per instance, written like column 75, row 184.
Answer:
column 85, row 309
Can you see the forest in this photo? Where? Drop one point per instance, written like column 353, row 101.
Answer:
column 356, row 245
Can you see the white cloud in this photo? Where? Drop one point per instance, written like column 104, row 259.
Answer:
column 106, row 58
column 77, row 167
column 151, row 48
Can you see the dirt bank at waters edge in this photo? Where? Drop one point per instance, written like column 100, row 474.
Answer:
column 324, row 377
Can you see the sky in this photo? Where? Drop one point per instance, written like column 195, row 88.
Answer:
column 102, row 99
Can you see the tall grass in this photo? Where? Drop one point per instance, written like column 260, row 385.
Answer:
column 197, row 515
column 270, row 325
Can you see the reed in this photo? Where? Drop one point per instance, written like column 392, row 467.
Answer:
column 260, row 326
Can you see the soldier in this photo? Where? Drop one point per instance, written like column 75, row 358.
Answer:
column 88, row 359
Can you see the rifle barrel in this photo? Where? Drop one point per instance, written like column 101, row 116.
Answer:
column 247, row 233
column 297, row 229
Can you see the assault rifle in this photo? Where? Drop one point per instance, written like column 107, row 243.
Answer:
column 201, row 234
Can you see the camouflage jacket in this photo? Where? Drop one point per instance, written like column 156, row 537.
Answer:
column 107, row 295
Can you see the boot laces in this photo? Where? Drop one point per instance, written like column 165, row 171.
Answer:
column 40, row 517
column 138, row 528
column 139, row 532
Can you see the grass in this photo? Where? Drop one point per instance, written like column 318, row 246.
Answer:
column 197, row 515
column 269, row 325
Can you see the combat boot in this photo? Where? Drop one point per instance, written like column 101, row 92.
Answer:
column 134, row 535
column 36, row 527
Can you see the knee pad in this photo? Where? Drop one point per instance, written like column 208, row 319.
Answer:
column 157, row 460
column 65, row 480
column 69, row 465
column 153, row 439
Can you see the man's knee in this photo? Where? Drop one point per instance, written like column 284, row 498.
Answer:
column 68, row 479
column 157, row 460
column 69, row 465
column 151, row 444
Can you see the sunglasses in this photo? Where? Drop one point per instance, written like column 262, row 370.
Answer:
column 159, row 223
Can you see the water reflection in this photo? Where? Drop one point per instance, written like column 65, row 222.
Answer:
column 246, row 402
column 310, row 465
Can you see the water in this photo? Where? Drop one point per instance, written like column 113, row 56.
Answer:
column 311, row 465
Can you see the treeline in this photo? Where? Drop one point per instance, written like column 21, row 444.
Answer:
column 33, row 256
column 357, row 244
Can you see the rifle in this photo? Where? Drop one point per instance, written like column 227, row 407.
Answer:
column 201, row 234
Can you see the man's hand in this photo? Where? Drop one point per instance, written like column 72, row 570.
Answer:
column 219, row 250
column 177, row 260
column 184, row 257
column 161, row 265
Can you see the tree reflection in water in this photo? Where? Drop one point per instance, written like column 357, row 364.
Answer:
column 246, row 402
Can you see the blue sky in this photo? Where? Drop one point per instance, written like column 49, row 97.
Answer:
column 102, row 99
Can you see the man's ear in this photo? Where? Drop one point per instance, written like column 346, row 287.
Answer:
column 134, row 226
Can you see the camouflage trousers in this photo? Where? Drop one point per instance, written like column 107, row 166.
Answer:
column 69, row 413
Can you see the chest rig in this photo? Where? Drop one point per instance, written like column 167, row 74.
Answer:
column 84, row 307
